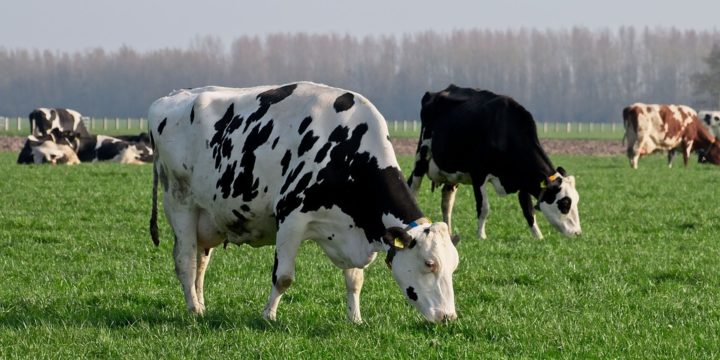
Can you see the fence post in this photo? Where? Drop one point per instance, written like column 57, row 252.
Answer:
column 18, row 124
column 414, row 125
column 579, row 127
column 404, row 125
column 545, row 127
column 128, row 123
column 7, row 124
column 141, row 123
column 117, row 123
column 567, row 129
column 104, row 123
column 613, row 127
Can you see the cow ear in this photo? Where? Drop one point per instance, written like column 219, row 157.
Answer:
column 397, row 238
column 561, row 171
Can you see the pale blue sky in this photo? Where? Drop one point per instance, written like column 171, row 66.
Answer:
column 76, row 25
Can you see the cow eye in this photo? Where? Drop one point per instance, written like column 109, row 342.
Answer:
column 431, row 265
column 564, row 205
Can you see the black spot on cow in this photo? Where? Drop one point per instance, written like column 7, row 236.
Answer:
column 224, row 184
column 564, row 205
column 339, row 134
column 344, row 102
column 265, row 189
column 161, row 127
column 292, row 200
column 245, row 184
column 245, row 208
column 275, row 142
column 285, row 162
column 220, row 139
column 268, row 98
column 304, row 124
column 320, row 156
column 411, row 293
column 292, row 176
column 413, row 242
column 307, row 143
column 192, row 114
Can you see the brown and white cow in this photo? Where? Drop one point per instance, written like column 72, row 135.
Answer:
column 658, row 127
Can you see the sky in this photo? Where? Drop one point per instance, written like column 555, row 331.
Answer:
column 79, row 25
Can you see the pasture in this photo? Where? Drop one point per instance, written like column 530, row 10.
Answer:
column 82, row 279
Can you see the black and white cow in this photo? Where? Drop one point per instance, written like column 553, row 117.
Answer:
column 52, row 148
column 43, row 120
column 471, row 136
column 57, row 146
column 276, row 165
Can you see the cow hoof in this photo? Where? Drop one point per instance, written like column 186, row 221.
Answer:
column 355, row 319
column 269, row 315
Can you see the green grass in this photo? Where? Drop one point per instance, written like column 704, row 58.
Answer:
column 81, row 278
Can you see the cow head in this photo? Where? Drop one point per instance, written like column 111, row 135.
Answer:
column 136, row 153
column 711, row 154
column 558, row 200
column 423, row 260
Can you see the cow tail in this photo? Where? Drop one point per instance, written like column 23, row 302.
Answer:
column 627, row 113
column 153, row 213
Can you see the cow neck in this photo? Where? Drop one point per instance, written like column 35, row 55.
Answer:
column 703, row 139
column 539, row 169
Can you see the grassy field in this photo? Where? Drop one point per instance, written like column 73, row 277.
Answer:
column 83, row 280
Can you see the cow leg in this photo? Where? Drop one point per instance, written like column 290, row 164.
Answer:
column 529, row 213
column 203, row 260
column 354, row 279
column 686, row 154
column 633, row 156
column 481, row 205
column 670, row 156
column 184, row 224
column 286, row 248
column 448, row 201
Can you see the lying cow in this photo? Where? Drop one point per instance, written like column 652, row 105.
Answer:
column 278, row 165
column 45, row 149
column 711, row 119
column 657, row 127
column 471, row 136
column 44, row 120
column 86, row 149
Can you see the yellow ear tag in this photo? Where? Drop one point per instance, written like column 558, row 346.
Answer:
column 399, row 244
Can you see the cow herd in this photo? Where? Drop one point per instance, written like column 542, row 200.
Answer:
column 278, row 165
column 59, row 136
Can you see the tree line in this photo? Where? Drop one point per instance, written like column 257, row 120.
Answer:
column 573, row 74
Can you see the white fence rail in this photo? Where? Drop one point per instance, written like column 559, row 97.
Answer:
column 117, row 124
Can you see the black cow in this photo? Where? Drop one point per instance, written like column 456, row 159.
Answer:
column 471, row 136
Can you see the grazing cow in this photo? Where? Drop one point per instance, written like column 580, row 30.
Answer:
column 471, row 136
column 711, row 119
column 658, row 127
column 43, row 120
column 281, row 164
